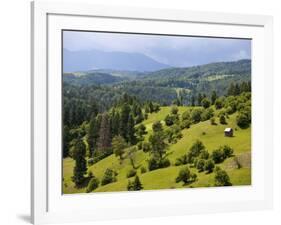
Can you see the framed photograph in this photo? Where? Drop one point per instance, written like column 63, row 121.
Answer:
column 141, row 112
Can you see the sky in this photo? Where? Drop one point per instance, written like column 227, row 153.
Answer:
column 176, row 51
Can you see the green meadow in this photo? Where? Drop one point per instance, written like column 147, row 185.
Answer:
column 211, row 135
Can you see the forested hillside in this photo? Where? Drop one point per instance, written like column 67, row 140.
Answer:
column 157, row 130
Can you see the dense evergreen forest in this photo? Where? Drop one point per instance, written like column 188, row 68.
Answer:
column 139, row 119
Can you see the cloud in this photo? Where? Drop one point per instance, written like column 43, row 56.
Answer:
column 171, row 50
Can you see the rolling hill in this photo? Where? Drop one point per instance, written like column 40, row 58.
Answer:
column 212, row 137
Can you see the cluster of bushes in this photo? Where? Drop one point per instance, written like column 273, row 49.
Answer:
column 220, row 154
column 200, row 158
column 154, row 163
column 240, row 104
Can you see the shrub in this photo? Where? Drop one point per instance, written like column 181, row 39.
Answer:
column 152, row 164
column 185, row 175
column 205, row 103
column 135, row 185
column 209, row 165
column 222, row 119
column 174, row 110
column 196, row 115
column 218, row 155
column 242, row 120
column 196, row 148
column 108, row 177
column 183, row 160
column 171, row 119
column 164, row 163
column 207, row 114
column 221, row 177
column 131, row 173
column 93, row 184
column 157, row 126
column 213, row 121
column 143, row 169
column 227, row 151
column 185, row 124
column 200, row 165
column 219, row 103
column 204, row 154
column 186, row 115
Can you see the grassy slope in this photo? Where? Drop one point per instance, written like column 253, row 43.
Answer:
column 165, row 178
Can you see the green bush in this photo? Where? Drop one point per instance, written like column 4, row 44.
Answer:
column 213, row 121
column 205, row 103
column 135, row 185
column 243, row 120
column 227, row 151
column 200, row 165
column 204, row 154
column 207, row 114
column 93, row 184
column 164, row 163
column 196, row 149
column 196, row 115
column 221, row 177
column 209, row 165
column 131, row 173
column 185, row 124
column 185, row 176
column 183, row 160
column 174, row 110
column 108, row 177
column 152, row 164
column 218, row 155
column 222, row 119
column 143, row 169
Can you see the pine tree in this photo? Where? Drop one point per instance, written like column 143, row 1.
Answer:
column 115, row 121
column 213, row 97
column 192, row 100
column 80, row 168
column 119, row 144
column 131, row 130
column 66, row 140
column 124, row 117
column 93, row 134
column 199, row 98
column 104, row 141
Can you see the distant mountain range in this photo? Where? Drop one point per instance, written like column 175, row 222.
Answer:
column 179, row 76
column 74, row 61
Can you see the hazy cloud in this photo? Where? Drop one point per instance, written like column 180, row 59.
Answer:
column 171, row 50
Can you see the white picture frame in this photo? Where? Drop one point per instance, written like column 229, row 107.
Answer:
column 47, row 202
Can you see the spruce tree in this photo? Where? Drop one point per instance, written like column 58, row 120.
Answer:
column 93, row 134
column 131, row 130
column 104, row 141
column 80, row 168
column 124, row 117
column 213, row 97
